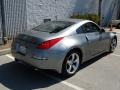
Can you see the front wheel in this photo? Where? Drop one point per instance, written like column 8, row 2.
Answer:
column 71, row 63
column 113, row 45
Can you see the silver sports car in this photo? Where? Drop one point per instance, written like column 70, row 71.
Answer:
column 62, row 45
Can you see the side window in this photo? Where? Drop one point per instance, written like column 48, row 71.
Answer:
column 90, row 27
column 94, row 27
column 86, row 28
column 79, row 30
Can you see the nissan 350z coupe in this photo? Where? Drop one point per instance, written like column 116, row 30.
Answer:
column 62, row 45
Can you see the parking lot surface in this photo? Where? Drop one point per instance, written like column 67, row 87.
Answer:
column 100, row 73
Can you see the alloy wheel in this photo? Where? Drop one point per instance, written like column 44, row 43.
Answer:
column 72, row 63
column 113, row 44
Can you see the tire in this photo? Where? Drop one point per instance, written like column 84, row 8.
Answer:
column 16, row 60
column 113, row 45
column 71, row 63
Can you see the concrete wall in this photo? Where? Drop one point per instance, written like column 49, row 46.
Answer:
column 37, row 10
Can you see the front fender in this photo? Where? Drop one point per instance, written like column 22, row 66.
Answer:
column 113, row 34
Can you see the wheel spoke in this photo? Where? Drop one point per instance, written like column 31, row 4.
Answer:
column 74, row 67
column 73, row 57
column 113, row 44
column 70, row 68
column 76, row 60
column 69, row 62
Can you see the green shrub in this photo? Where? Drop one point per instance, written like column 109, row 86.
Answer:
column 92, row 17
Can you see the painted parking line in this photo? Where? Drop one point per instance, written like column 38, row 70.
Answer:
column 118, row 32
column 55, row 78
column 116, row 55
column 64, row 82
column 11, row 57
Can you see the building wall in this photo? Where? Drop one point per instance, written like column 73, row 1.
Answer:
column 37, row 10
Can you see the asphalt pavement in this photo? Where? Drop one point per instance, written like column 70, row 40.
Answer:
column 100, row 73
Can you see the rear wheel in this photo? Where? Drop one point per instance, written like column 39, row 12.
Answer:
column 113, row 45
column 16, row 60
column 71, row 63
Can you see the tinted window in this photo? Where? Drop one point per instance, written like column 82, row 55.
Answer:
column 90, row 27
column 79, row 30
column 53, row 26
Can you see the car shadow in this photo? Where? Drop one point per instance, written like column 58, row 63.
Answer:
column 91, row 61
column 19, row 77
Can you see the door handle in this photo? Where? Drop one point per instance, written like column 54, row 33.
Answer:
column 86, row 37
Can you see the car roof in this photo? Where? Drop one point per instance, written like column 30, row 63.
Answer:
column 72, row 20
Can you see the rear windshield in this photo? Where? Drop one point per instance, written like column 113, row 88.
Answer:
column 53, row 26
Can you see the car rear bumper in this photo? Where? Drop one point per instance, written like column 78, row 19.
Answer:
column 42, row 59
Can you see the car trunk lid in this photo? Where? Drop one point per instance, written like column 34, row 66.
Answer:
column 33, row 37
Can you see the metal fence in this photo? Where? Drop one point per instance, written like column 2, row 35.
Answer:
column 0, row 23
column 15, row 17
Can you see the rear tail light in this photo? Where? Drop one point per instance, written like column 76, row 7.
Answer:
column 48, row 44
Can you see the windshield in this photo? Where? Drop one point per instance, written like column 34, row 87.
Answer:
column 53, row 26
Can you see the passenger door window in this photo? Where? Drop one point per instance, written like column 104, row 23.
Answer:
column 79, row 30
column 90, row 27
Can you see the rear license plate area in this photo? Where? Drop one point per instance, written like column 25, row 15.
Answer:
column 21, row 49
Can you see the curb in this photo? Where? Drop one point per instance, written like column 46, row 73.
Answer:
column 5, row 51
